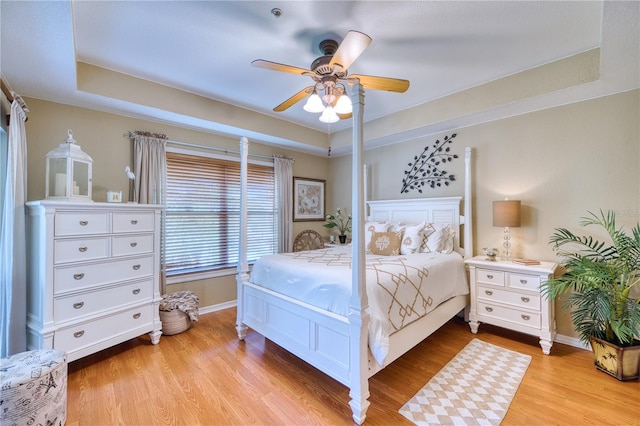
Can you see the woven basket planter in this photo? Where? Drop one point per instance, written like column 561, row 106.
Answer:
column 174, row 321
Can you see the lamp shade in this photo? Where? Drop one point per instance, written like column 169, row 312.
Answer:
column 506, row 213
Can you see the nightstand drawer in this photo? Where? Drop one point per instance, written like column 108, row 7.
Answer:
column 489, row 276
column 83, row 223
column 125, row 245
column 501, row 313
column 492, row 295
column 133, row 222
column 525, row 282
column 77, row 250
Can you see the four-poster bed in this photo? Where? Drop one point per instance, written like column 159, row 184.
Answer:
column 338, row 343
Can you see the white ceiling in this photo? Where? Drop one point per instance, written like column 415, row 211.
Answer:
column 206, row 47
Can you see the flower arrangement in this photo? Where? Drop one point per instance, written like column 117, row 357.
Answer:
column 340, row 220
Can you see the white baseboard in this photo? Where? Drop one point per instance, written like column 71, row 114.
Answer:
column 571, row 341
column 218, row 307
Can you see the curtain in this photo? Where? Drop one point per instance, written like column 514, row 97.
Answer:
column 150, row 164
column 150, row 184
column 13, row 251
column 283, row 170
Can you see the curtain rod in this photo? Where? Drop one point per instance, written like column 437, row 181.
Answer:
column 130, row 135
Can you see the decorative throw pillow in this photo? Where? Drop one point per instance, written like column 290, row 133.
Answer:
column 386, row 243
column 370, row 228
column 412, row 238
column 437, row 239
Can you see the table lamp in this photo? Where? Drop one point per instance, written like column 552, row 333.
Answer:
column 506, row 213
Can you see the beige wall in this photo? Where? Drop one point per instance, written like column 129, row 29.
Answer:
column 101, row 135
column 561, row 162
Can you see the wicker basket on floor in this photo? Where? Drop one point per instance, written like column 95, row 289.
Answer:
column 174, row 321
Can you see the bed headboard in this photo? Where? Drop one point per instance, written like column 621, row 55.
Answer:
column 430, row 210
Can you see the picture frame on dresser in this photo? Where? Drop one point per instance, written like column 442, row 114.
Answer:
column 94, row 275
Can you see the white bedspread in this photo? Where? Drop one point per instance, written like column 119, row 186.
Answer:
column 400, row 289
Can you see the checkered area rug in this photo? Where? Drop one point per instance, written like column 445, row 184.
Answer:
column 474, row 388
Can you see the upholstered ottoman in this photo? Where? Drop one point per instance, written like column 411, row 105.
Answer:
column 33, row 388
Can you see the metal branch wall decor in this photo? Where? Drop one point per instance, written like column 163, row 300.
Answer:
column 426, row 167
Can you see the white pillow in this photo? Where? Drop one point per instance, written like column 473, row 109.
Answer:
column 438, row 239
column 412, row 238
column 370, row 228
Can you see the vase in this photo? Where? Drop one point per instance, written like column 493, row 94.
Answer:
column 343, row 239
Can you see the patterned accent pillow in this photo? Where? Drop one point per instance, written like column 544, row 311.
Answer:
column 370, row 228
column 412, row 238
column 427, row 231
column 440, row 240
column 386, row 243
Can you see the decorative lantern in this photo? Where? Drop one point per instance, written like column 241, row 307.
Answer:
column 68, row 172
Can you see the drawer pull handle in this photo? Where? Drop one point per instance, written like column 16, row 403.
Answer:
column 488, row 292
column 136, row 267
column 523, row 281
column 525, row 317
column 490, row 277
column 134, row 222
column 136, row 291
column 133, row 244
column 488, row 309
column 78, row 334
column 82, row 249
column 78, row 276
column 84, row 222
column 78, row 305
column 136, row 316
column 525, row 299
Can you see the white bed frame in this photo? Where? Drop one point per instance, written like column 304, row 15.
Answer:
column 335, row 344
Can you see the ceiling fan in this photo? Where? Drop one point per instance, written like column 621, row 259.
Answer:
column 330, row 72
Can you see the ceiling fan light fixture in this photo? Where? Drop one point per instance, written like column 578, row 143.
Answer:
column 329, row 115
column 343, row 106
column 314, row 103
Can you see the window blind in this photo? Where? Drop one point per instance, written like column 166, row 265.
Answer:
column 202, row 217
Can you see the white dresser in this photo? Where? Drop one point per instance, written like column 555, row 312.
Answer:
column 507, row 294
column 94, row 275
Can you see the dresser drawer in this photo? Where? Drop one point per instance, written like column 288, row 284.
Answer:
column 513, row 315
column 489, row 276
column 81, row 223
column 78, row 277
column 526, row 282
column 78, row 305
column 125, row 245
column 133, row 222
column 493, row 295
column 88, row 333
column 80, row 249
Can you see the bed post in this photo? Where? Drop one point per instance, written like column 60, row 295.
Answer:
column 468, row 219
column 358, row 303
column 243, row 267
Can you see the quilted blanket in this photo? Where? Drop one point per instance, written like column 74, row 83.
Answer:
column 400, row 289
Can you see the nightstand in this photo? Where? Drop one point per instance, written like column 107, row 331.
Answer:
column 507, row 294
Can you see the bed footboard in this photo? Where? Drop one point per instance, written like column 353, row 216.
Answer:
column 318, row 337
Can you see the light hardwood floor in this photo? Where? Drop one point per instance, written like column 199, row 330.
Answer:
column 206, row 376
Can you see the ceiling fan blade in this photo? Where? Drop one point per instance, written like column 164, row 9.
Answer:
column 382, row 83
column 352, row 46
column 294, row 99
column 261, row 63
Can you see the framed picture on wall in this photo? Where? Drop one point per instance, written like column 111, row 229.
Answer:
column 308, row 199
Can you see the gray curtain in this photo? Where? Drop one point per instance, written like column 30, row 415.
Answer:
column 13, row 234
column 150, row 184
column 283, row 170
column 150, row 162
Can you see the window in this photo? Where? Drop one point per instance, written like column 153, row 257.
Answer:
column 202, row 217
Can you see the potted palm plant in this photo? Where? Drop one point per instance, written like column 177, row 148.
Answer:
column 341, row 221
column 598, row 290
